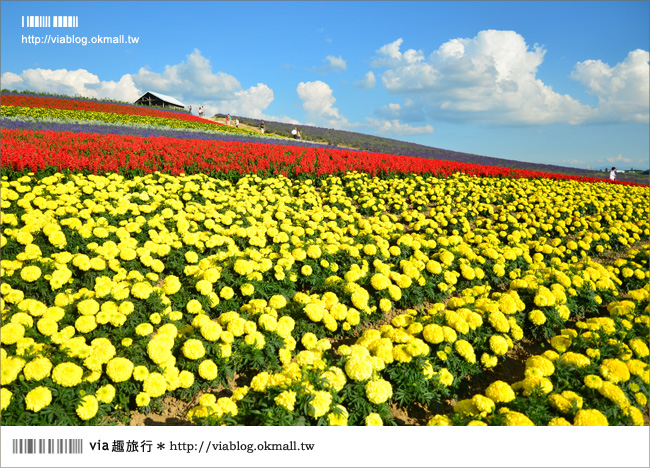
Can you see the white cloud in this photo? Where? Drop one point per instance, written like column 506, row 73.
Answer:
column 623, row 90
column 192, row 81
column 336, row 64
column 71, row 82
column 618, row 158
column 491, row 78
column 389, row 55
column 395, row 128
column 318, row 102
column 368, row 82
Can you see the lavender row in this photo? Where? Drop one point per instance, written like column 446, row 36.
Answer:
column 145, row 131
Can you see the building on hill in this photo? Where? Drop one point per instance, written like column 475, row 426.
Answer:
column 156, row 99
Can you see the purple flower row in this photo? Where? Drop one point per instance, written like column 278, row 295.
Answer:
column 104, row 129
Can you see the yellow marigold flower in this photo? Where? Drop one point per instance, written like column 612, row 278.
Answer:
column 260, row 382
column 379, row 282
column 277, row 302
column 545, row 366
column 514, row 418
column 484, row 404
column 358, row 368
column 498, row 345
column 171, row 285
column 88, row 307
column 537, row 317
column 378, row 391
column 105, row 394
column 67, row 374
column 11, row 333
column 30, row 273
column 465, row 349
column 87, row 408
column 211, row 330
column 590, row 417
column 140, row 373
column 193, row 349
column 154, row 385
column 119, row 369
column 226, row 293
column 38, row 398
column 500, row 392
column 193, row 306
column 141, row 290
column 614, row 393
column 466, row 408
column 338, row 416
column 320, row 404
column 439, row 420
column 614, row 370
column 639, row 347
column 37, row 369
column 373, row 419
column 5, row 398
column 641, row 399
column 286, row 399
column 560, row 343
column 559, row 421
column 191, row 257
column 142, row 399
column 85, row 323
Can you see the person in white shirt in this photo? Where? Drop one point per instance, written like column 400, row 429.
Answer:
column 612, row 174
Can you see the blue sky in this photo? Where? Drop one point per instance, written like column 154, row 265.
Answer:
column 562, row 83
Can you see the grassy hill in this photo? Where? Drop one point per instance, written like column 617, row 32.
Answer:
column 346, row 139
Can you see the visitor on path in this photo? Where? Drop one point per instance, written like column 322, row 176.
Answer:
column 294, row 133
column 612, row 174
column 228, row 120
column 262, row 126
column 190, row 110
column 237, row 123
column 299, row 135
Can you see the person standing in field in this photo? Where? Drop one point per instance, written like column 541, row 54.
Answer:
column 262, row 126
column 237, row 123
column 612, row 174
column 294, row 133
column 190, row 110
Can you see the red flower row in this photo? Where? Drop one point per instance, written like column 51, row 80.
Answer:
column 95, row 106
column 34, row 150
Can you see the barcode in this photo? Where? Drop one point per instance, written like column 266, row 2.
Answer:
column 50, row 22
column 26, row 446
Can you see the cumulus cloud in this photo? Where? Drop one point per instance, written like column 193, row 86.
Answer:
column 318, row 102
column 71, row 82
column 191, row 81
column 491, row 77
column 368, row 82
column 332, row 63
column 623, row 90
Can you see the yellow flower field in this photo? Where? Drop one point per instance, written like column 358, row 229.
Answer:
column 331, row 298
